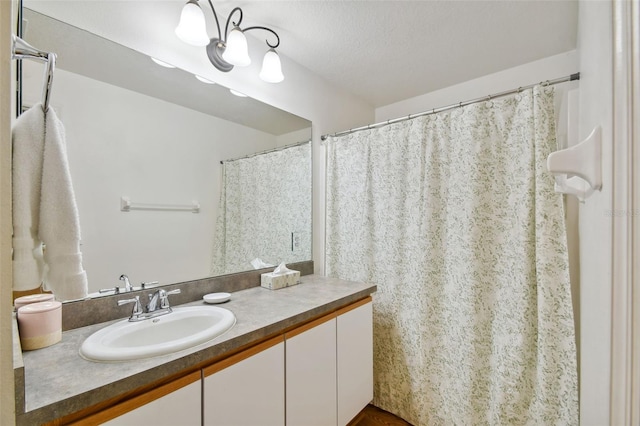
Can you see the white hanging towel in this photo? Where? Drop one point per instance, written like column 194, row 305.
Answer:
column 28, row 149
column 44, row 209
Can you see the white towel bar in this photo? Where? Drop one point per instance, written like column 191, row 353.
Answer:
column 126, row 206
column 20, row 49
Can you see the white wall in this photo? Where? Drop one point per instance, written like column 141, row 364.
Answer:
column 122, row 143
column 595, row 44
column 293, row 137
column 534, row 72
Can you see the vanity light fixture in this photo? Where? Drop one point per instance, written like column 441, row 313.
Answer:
column 228, row 49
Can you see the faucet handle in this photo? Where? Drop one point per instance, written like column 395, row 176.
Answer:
column 116, row 290
column 137, row 307
column 145, row 285
column 164, row 297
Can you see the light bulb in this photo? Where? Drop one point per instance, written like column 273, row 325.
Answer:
column 204, row 80
column 162, row 63
column 192, row 28
column 239, row 94
column 271, row 68
column 237, row 51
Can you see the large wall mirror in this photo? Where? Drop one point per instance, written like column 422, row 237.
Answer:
column 163, row 140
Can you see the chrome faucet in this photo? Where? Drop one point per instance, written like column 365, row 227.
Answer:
column 127, row 284
column 158, row 305
column 159, row 301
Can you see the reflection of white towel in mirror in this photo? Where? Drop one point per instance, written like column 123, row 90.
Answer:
column 257, row 263
column 45, row 209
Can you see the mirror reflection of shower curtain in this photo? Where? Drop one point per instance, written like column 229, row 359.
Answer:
column 265, row 210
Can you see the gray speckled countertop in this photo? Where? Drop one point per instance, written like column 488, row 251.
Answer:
column 58, row 382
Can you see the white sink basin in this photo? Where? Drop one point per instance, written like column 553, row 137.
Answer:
column 181, row 329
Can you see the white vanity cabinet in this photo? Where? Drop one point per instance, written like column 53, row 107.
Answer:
column 329, row 364
column 247, row 388
column 177, row 403
column 319, row 373
column 354, row 360
column 311, row 373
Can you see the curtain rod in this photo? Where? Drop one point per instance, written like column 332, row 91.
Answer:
column 279, row 148
column 571, row 77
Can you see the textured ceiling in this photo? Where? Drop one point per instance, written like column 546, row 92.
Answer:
column 387, row 51
column 381, row 51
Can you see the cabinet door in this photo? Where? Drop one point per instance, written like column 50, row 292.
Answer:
column 355, row 360
column 311, row 374
column 179, row 407
column 247, row 388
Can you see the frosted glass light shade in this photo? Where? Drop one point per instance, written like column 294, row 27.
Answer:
column 271, row 68
column 237, row 51
column 192, row 28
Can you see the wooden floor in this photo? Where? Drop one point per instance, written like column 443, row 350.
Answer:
column 374, row 416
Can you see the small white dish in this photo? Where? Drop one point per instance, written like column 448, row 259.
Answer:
column 216, row 297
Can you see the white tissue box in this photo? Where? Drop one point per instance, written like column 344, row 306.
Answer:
column 275, row 281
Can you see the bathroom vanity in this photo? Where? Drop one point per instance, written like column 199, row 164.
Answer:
column 300, row 355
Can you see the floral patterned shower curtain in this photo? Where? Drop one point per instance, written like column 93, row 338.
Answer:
column 455, row 218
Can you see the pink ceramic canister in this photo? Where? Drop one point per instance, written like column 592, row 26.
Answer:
column 32, row 298
column 40, row 324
